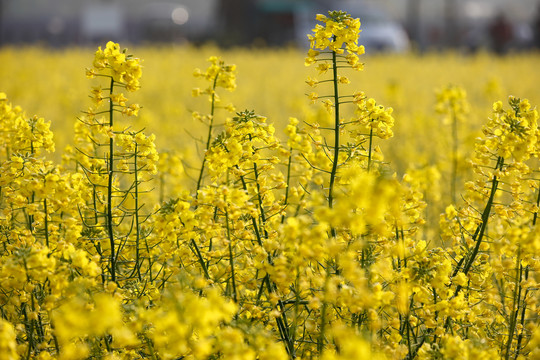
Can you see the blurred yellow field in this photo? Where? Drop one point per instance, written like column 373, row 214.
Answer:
column 51, row 83
column 271, row 82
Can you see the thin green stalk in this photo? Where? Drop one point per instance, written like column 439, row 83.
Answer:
column 46, row 222
column 485, row 217
column 253, row 220
column 55, row 341
column 535, row 216
column 201, row 172
column 112, row 269
column 271, row 287
column 478, row 235
column 150, row 347
column 209, row 137
column 282, row 320
column 30, row 332
column 200, row 259
column 137, row 225
column 30, row 218
column 408, row 326
column 259, row 199
column 370, row 149
column 38, row 322
column 231, row 257
column 523, row 309
column 285, row 202
column 107, row 342
column 336, row 134
column 28, row 324
column 436, row 315
column 294, row 324
column 320, row 340
column 400, row 237
column 94, row 203
column 515, row 302
column 41, row 332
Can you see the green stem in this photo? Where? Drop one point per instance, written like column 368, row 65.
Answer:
column 294, row 325
column 515, row 302
column 271, row 287
column 231, row 257
column 30, row 218
column 259, row 199
column 520, row 336
column 535, row 216
column 150, row 347
column 320, row 341
column 137, row 224
column 336, row 133
column 370, row 149
column 479, row 233
column 288, row 184
column 46, row 222
column 110, row 191
column 408, row 328
column 485, row 217
column 107, row 342
column 209, row 137
column 200, row 259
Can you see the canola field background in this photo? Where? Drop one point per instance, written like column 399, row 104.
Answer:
column 272, row 82
column 397, row 220
column 52, row 84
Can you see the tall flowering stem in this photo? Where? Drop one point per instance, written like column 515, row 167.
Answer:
column 110, row 172
column 505, row 184
column 219, row 75
column 510, row 139
column 122, row 71
column 338, row 35
column 337, row 130
column 334, row 47
column 481, row 229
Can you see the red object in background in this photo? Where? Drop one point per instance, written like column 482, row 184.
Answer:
column 501, row 34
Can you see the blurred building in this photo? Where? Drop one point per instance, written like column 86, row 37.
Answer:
column 65, row 22
column 429, row 23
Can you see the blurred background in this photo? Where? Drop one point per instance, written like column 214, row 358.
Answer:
column 388, row 25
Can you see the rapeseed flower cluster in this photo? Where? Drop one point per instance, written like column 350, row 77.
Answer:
column 122, row 68
column 506, row 187
column 452, row 104
column 338, row 34
column 303, row 247
column 218, row 75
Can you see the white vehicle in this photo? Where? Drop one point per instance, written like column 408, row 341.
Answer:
column 379, row 31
